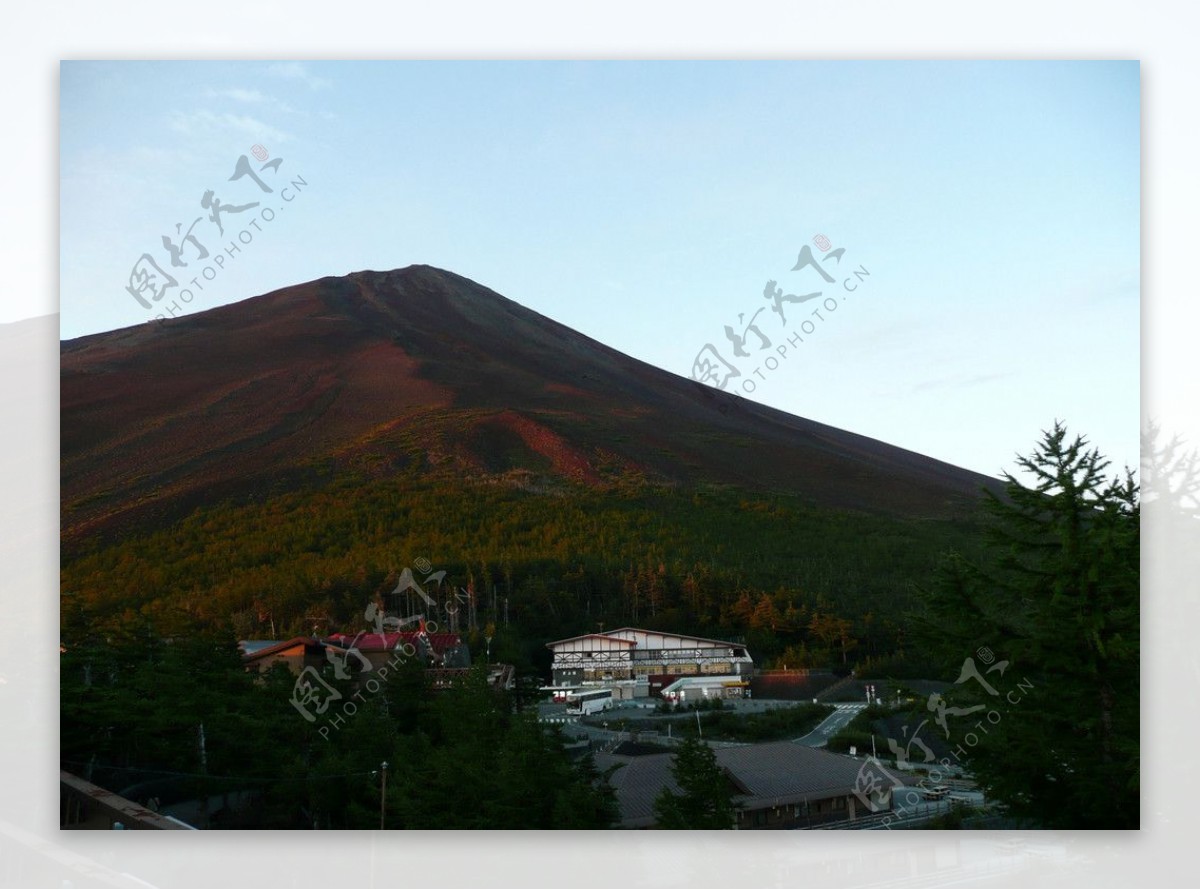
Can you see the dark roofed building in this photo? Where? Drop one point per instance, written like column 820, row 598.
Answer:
column 773, row 785
column 297, row 653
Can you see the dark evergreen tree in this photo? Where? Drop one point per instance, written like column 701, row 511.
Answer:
column 1055, row 738
column 704, row 800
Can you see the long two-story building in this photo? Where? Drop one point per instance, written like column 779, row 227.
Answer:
column 626, row 658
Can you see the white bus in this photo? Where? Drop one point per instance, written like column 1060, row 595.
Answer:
column 589, row 702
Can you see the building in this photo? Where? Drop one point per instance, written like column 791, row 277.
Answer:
column 297, row 654
column 689, row 690
column 445, row 656
column 625, row 659
column 356, row 652
column 772, row 785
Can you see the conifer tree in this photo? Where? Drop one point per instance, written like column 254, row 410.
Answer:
column 1057, row 599
column 704, row 800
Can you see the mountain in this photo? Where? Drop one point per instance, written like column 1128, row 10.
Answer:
column 421, row 369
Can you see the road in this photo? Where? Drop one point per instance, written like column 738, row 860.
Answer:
column 557, row 713
column 603, row 736
column 831, row 725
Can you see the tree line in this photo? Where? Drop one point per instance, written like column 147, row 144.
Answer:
column 821, row 587
column 182, row 720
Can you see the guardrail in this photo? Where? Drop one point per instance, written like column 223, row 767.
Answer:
column 901, row 817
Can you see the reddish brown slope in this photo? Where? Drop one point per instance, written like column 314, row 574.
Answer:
column 158, row 417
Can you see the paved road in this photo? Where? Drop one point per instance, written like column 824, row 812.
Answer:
column 573, row 728
column 831, row 724
column 604, row 736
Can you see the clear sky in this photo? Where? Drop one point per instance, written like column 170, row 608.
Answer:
column 995, row 206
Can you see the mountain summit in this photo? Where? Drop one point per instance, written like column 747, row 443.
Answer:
column 422, row 370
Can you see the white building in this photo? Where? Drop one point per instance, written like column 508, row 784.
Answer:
column 625, row 659
column 689, row 690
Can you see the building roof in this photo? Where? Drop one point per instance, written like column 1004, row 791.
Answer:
column 249, row 647
column 387, row 641
column 256, row 650
column 615, row 637
column 770, row 774
column 666, row 633
column 282, row 646
column 603, row 636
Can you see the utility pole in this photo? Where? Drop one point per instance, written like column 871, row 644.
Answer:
column 203, row 769
column 699, row 729
column 383, row 795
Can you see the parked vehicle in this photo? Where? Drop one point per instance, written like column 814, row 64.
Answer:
column 590, row 702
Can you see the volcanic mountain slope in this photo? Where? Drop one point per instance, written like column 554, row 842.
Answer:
column 423, row 369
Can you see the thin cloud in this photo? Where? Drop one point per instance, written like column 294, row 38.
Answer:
column 296, row 71
column 255, row 97
column 208, row 123
column 240, row 95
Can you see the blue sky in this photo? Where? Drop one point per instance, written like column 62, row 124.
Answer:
column 995, row 205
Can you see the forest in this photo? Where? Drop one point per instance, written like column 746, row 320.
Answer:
column 1044, row 580
column 155, row 701
column 803, row 586
column 183, row 721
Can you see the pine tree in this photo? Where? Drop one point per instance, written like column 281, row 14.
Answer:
column 704, row 801
column 1057, row 598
